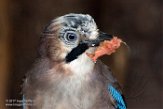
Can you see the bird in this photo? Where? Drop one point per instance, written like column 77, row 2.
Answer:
column 63, row 76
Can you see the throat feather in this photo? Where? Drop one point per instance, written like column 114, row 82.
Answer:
column 82, row 65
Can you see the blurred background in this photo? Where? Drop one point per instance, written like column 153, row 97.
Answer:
column 137, row 22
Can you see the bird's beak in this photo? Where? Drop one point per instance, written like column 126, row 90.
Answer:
column 102, row 36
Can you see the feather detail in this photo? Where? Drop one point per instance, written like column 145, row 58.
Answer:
column 120, row 104
column 23, row 103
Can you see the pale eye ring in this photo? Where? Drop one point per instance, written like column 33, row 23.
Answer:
column 70, row 36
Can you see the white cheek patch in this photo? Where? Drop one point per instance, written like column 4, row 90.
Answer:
column 91, row 50
column 81, row 66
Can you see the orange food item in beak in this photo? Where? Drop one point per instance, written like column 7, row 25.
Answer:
column 106, row 47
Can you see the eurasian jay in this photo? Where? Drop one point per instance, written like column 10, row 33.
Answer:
column 64, row 77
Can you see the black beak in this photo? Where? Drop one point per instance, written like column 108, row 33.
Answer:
column 96, row 42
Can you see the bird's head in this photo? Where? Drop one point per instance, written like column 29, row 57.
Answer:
column 69, row 37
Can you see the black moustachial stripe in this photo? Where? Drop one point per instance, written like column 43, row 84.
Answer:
column 81, row 48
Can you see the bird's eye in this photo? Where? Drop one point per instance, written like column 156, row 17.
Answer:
column 71, row 36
